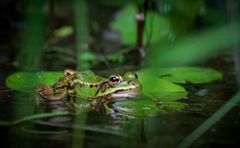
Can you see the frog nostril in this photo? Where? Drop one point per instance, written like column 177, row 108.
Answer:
column 130, row 82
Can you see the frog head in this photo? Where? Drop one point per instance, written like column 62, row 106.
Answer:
column 117, row 86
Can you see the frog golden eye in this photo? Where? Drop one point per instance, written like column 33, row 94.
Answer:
column 114, row 80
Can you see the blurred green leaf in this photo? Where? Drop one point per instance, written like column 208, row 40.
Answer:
column 87, row 56
column 64, row 31
column 157, row 27
column 194, row 48
column 86, row 60
column 115, row 58
column 120, row 2
column 126, row 24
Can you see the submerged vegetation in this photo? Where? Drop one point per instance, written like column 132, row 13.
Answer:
column 180, row 51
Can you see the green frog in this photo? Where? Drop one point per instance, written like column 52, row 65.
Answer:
column 87, row 85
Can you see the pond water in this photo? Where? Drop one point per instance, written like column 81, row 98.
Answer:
column 92, row 129
column 98, row 130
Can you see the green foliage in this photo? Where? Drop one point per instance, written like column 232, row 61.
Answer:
column 64, row 31
column 27, row 81
column 126, row 24
column 157, row 27
column 115, row 57
column 182, row 14
column 194, row 48
column 159, row 92
column 33, row 37
column 120, row 2
column 87, row 57
column 157, row 83
column 189, row 74
column 160, row 89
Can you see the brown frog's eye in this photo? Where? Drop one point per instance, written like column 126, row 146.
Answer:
column 114, row 80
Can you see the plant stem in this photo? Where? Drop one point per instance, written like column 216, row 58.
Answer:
column 141, row 18
column 205, row 126
column 233, row 15
column 81, row 26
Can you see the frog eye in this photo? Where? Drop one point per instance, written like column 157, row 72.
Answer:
column 114, row 80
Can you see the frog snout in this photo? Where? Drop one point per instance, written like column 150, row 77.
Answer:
column 130, row 82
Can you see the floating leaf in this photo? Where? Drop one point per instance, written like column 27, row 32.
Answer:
column 26, row 81
column 182, row 75
column 160, row 89
column 190, row 74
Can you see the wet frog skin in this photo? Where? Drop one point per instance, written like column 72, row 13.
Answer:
column 77, row 84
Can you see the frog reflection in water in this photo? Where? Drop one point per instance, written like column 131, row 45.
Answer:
column 104, row 92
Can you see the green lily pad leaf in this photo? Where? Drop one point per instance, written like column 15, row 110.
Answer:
column 156, row 27
column 160, row 89
column 64, row 31
column 27, row 81
column 190, row 74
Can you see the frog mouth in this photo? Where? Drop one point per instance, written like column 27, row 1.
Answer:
column 126, row 93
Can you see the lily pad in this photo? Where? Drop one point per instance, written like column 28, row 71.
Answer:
column 183, row 75
column 27, row 81
column 154, row 87
column 190, row 74
column 160, row 89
